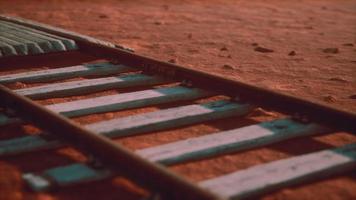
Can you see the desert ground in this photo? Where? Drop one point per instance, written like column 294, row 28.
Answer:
column 299, row 47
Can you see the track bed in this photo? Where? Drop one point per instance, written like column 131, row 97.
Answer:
column 100, row 115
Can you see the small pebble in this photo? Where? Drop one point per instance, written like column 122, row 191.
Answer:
column 348, row 45
column 223, row 49
column 352, row 96
column 227, row 66
column 109, row 115
column 254, row 44
column 103, row 16
column 190, row 36
column 331, row 50
column 338, row 79
column 229, row 56
column 165, row 7
column 329, row 98
column 173, row 60
column 158, row 23
column 19, row 85
column 292, row 53
column 263, row 50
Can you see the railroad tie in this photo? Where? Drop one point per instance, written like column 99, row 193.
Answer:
column 68, row 43
column 263, row 178
column 234, row 140
column 127, row 100
column 29, row 41
column 34, row 46
column 6, row 49
column 80, row 87
column 20, row 48
column 57, row 44
column 135, row 124
column 65, row 73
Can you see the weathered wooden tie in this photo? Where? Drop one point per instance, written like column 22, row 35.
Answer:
column 65, row 73
column 28, row 41
column 127, row 100
column 34, row 47
column 57, row 43
column 263, row 178
column 136, row 124
column 230, row 141
column 169, row 118
column 42, row 46
column 89, row 86
column 65, row 176
column 194, row 148
column 20, row 48
column 7, row 49
column 69, row 43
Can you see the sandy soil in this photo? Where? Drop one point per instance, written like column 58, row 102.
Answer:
column 303, row 48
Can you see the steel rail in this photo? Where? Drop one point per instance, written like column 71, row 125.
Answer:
column 152, row 176
column 295, row 106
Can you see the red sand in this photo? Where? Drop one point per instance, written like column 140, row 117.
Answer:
column 219, row 37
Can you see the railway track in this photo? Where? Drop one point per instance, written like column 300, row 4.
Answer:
column 54, row 99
